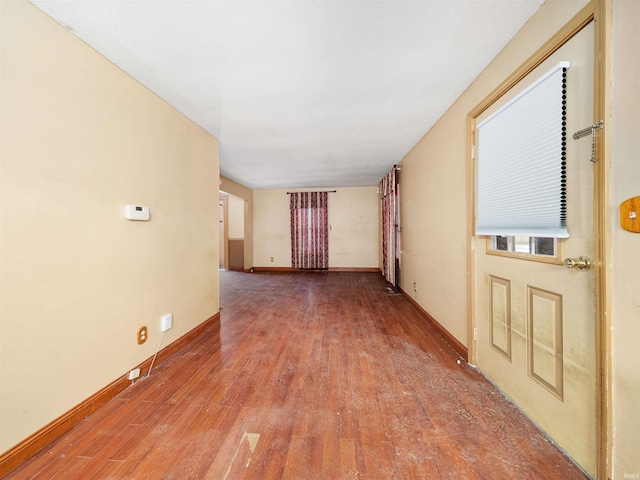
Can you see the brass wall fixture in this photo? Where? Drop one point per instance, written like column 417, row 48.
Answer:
column 629, row 218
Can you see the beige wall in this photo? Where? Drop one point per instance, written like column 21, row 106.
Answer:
column 353, row 218
column 236, row 217
column 625, row 183
column 80, row 139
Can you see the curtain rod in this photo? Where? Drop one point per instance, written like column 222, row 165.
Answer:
column 322, row 191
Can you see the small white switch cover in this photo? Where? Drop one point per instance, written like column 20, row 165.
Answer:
column 133, row 374
column 167, row 322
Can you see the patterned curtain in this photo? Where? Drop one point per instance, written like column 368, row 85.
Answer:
column 388, row 195
column 309, row 230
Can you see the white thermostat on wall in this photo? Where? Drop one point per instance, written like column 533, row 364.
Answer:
column 136, row 212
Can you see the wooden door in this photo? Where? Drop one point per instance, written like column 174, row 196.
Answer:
column 535, row 318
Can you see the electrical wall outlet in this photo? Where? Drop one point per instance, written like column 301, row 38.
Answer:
column 142, row 335
column 133, row 374
column 166, row 323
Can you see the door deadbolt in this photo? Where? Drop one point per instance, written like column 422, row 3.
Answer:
column 580, row 263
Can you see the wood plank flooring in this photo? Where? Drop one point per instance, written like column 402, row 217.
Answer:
column 307, row 376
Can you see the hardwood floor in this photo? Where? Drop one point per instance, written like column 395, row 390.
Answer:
column 307, row 376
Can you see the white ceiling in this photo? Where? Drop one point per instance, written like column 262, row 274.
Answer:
column 302, row 93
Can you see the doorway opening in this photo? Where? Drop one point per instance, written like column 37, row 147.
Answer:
column 231, row 232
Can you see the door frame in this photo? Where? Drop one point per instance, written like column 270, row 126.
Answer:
column 599, row 12
column 224, row 199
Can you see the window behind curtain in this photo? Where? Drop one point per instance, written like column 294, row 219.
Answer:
column 309, row 230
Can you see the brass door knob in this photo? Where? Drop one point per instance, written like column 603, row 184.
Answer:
column 580, row 263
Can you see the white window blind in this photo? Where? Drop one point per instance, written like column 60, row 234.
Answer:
column 521, row 169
